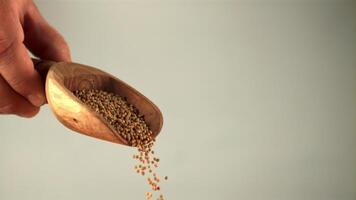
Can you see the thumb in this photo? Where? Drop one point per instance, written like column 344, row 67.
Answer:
column 42, row 39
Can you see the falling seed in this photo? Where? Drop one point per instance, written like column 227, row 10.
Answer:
column 129, row 124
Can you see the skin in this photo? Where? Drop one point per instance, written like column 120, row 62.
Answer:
column 23, row 29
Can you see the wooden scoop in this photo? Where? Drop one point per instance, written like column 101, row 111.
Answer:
column 62, row 78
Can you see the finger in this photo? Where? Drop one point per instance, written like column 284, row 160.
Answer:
column 17, row 69
column 13, row 103
column 42, row 39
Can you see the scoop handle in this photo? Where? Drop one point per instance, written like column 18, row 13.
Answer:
column 42, row 67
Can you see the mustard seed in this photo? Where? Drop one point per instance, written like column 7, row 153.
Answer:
column 128, row 124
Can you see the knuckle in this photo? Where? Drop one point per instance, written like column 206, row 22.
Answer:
column 10, row 27
column 19, row 85
column 7, row 109
column 5, row 47
column 8, row 41
column 4, row 42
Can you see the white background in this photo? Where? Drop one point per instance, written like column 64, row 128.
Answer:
column 258, row 99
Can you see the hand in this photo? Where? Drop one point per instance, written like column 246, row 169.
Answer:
column 23, row 28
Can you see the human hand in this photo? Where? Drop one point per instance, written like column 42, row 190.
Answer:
column 23, row 28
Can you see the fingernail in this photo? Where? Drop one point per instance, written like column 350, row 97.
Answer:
column 37, row 100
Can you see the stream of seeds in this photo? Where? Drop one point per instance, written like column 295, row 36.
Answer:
column 131, row 126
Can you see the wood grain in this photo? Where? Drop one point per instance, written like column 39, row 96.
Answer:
column 63, row 78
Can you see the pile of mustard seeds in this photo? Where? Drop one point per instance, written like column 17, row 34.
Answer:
column 131, row 126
